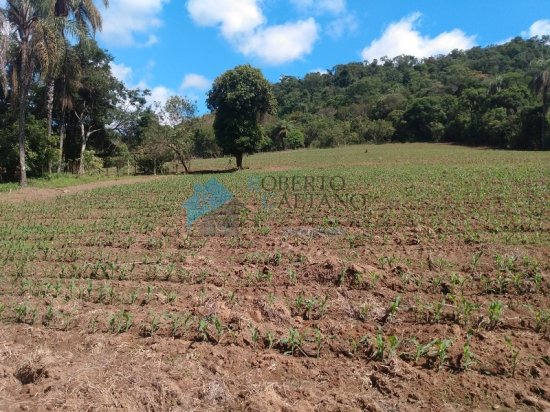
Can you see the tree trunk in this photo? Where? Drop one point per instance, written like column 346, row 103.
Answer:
column 182, row 161
column 239, row 157
column 82, row 149
column 22, row 114
column 49, row 105
column 61, row 141
column 543, row 128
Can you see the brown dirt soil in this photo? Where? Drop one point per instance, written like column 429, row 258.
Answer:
column 76, row 366
column 32, row 194
column 259, row 290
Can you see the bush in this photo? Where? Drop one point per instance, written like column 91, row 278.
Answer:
column 92, row 163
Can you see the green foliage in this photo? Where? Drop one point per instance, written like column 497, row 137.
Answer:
column 483, row 96
column 239, row 98
column 92, row 163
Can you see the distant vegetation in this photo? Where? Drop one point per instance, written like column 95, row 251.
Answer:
column 79, row 118
column 496, row 96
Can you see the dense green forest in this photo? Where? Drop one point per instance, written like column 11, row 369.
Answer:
column 79, row 118
column 495, row 96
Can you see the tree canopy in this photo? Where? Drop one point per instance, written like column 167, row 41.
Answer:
column 240, row 98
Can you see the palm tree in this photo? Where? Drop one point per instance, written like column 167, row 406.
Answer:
column 88, row 20
column 33, row 31
column 69, row 83
column 541, row 88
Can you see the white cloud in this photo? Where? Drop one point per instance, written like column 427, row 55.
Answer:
column 195, row 81
column 121, row 72
column 538, row 28
column 342, row 25
column 244, row 25
column 283, row 43
column 130, row 22
column 161, row 94
column 321, row 6
column 151, row 41
column 402, row 37
column 319, row 70
column 234, row 17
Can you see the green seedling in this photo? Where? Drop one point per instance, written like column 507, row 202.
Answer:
column 179, row 324
column 468, row 358
column 203, row 329
column 475, row 258
column 514, row 355
column 121, row 322
column 379, row 346
column 394, row 307
column 292, row 275
column 270, row 339
column 363, row 312
column 393, row 344
column 442, row 347
column 542, row 320
column 254, row 335
column 319, row 339
column 293, row 341
column 421, row 350
column 48, row 316
column 495, row 313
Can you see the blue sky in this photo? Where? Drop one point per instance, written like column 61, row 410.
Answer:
column 179, row 47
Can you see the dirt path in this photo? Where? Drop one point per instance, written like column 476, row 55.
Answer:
column 33, row 194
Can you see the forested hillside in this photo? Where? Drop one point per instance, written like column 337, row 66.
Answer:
column 483, row 96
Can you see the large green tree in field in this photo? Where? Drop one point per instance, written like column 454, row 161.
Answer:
column 240, row 98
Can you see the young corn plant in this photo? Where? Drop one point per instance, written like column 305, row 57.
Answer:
column 270, row 339
column 203, row 329
column 93, row 324
column 468, row 358
column 494, row 314
column 179, row 324
column 379, row 347
column 319, row 339
column 292, row 276
column 151, row 326
column 219, row 328
column 356, row 344
column 25, row 313
column 394, row 307
column 475, row 259
column 363, row 312
column 466, row 310
column 421, row 349
column 542, row 320
column 442, row 346
column 121, row 322
column 293, row 342
column 438, row 310
column 255, row 335
column 48, row 316
column 393, row 344
column 513, row 357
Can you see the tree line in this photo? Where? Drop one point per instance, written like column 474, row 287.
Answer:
column 62, row 110
column 496, row 96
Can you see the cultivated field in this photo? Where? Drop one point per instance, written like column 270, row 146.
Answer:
column 433, row 296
